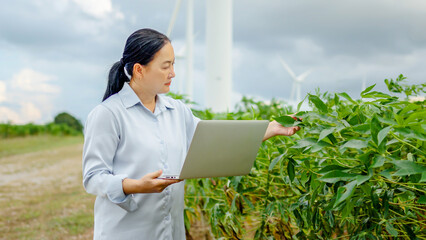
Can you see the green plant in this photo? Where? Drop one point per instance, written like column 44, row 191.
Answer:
column 356, row 170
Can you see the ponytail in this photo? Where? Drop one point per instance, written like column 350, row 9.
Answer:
column 116, row 79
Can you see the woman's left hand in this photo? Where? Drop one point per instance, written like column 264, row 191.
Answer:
column 274, row 129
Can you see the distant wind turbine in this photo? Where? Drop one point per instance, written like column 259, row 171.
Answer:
column 297, row 81
column 187, row 51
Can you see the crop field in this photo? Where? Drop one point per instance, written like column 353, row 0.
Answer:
column 355, row 170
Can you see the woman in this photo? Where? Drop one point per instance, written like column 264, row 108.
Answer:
column 132, row 134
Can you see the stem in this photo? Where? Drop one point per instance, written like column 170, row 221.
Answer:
column 416, row 189
column 404, row 142
column 262, row 226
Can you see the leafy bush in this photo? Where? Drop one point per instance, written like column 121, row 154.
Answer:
column 68, row 119
column 356, row 170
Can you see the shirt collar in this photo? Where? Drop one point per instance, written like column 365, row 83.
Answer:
column 129, row 98
column 163, row 102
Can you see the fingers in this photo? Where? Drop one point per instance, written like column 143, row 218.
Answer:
column 164, row 183
column 154, row 175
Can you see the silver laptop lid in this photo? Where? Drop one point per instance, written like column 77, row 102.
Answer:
column 222, row 148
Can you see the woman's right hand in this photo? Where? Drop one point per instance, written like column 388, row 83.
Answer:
column 147, row 184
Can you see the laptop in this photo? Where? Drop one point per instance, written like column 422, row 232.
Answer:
column 222, row 148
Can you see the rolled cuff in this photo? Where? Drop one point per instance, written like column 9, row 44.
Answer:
column 117, row 196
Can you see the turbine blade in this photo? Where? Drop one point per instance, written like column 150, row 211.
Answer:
column 302, row 76
column 181, row 53
column 288, row 69
column 173, row 19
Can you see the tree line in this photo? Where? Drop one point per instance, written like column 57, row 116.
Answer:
column 64, row 124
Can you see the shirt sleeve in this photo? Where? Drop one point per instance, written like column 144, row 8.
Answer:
column 101, row 138
column 191, row 122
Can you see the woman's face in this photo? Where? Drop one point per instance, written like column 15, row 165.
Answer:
column 157, row 75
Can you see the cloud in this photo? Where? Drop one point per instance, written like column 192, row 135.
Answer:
column 8, row 115
column 31, row 81
column 27, row 97
column 98, row 8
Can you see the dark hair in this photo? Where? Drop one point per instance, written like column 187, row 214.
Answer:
column 140, row 48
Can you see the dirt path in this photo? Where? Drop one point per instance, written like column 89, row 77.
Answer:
column 41, row 196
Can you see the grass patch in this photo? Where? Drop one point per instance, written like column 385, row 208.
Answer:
column 47, row 199
column 20, row 145
column 74, row 224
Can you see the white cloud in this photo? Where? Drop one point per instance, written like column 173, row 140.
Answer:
column 98, row 8
column 29, row 97
column 30, row 111
column 32, row 81
column 8, row 115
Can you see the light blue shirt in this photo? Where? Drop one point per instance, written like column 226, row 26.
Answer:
column 123, row 139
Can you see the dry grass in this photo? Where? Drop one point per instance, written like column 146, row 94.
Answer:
column 41, row 195
column 41, row 192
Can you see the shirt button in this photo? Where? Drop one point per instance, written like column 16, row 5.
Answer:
column 167, row 218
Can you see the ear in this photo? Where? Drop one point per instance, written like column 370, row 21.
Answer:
column 138, row 70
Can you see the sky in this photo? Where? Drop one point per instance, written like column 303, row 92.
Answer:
column 55, row 55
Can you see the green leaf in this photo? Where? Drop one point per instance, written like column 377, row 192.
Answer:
column 324, row 133
column 406, row 167
column 422, row 199
column 391, row 230
column 375, row 94
column 419, row 115
column 375, row 128
column 286, row 121
column 408, row 108
column 344, row 192
column 387, row 173
column 300, row 104
column 274, row 162
column 355, row 143
column 305, row 142
column 387, row 121
column 367, row 89
column 423, row 179
column 290, row 169
column 318, row 103
column 320, row 145
column 382, row 134
column 330, row 168
column 378, row 161
column 337, row 175
column 301, row 114
column 409, row 133
column 362, row 128
column 360, row 179
column 345, row 95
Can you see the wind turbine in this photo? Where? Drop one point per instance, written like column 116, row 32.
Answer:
column 186, row 52
column 297, row 81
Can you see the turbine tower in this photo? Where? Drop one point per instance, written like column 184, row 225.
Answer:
column 297, row 81
column 218, row 56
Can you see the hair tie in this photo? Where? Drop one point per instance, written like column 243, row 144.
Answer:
column 122, row 62
column 127, row 74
